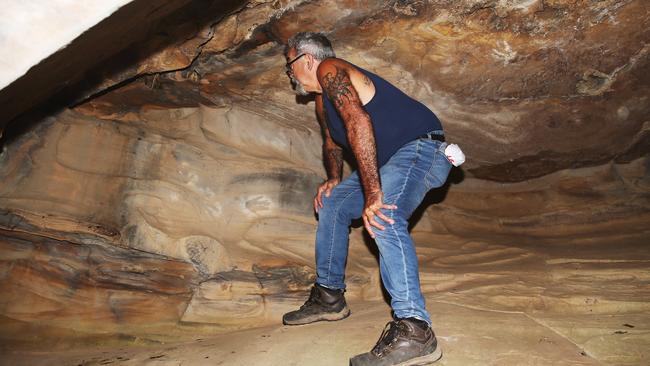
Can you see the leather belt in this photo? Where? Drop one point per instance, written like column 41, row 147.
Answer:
column 432, row 136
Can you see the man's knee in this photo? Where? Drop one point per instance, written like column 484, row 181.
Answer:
column 398, row 227
column 328, row 205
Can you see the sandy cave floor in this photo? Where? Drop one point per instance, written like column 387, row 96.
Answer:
column 582, row 304
column 468, row 337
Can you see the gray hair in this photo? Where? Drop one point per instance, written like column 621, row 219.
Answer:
column 313, row 43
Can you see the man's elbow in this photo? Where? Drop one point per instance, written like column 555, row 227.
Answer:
column 330, row 145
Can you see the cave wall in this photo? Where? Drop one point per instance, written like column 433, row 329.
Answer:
column 180, row 183
column 164, row 176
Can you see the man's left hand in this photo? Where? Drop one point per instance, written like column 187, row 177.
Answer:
column 374, row 203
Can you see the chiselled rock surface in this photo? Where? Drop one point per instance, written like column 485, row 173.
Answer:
column 169, row 195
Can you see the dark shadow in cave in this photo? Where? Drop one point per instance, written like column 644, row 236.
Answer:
column 305, row 99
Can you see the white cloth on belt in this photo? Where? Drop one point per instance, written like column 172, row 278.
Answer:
column 454, row 154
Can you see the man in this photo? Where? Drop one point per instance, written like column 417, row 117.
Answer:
column 399, row 149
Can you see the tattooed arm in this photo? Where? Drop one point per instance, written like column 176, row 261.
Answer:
column 334, row 78
column 332, row 154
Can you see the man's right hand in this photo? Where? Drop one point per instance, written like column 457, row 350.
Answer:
column 326, row 187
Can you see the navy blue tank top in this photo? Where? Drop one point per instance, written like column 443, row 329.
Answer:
column 396, row 119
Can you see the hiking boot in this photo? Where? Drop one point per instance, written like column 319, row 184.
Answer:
column 323, row 304
column 404, row 342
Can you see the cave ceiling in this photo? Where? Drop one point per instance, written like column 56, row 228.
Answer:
column 527, row 88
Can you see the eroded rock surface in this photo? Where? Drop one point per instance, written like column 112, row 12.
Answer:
column 63, row 288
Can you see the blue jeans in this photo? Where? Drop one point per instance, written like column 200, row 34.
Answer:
column 411, row 172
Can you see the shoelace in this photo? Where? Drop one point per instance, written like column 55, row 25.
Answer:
column 388, row 337
column 311, row 300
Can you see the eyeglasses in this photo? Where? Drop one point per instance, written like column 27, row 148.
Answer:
column 287, row 66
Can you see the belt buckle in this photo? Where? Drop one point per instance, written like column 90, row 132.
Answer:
column 436, row 137
column 433, row 136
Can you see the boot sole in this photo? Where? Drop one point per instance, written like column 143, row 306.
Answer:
column 328, row 317
column 424, row 360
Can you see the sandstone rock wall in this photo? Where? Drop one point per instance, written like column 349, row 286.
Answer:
column 198, row 185
column 53, row 288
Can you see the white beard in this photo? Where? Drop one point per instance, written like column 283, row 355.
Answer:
column 297, row 87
